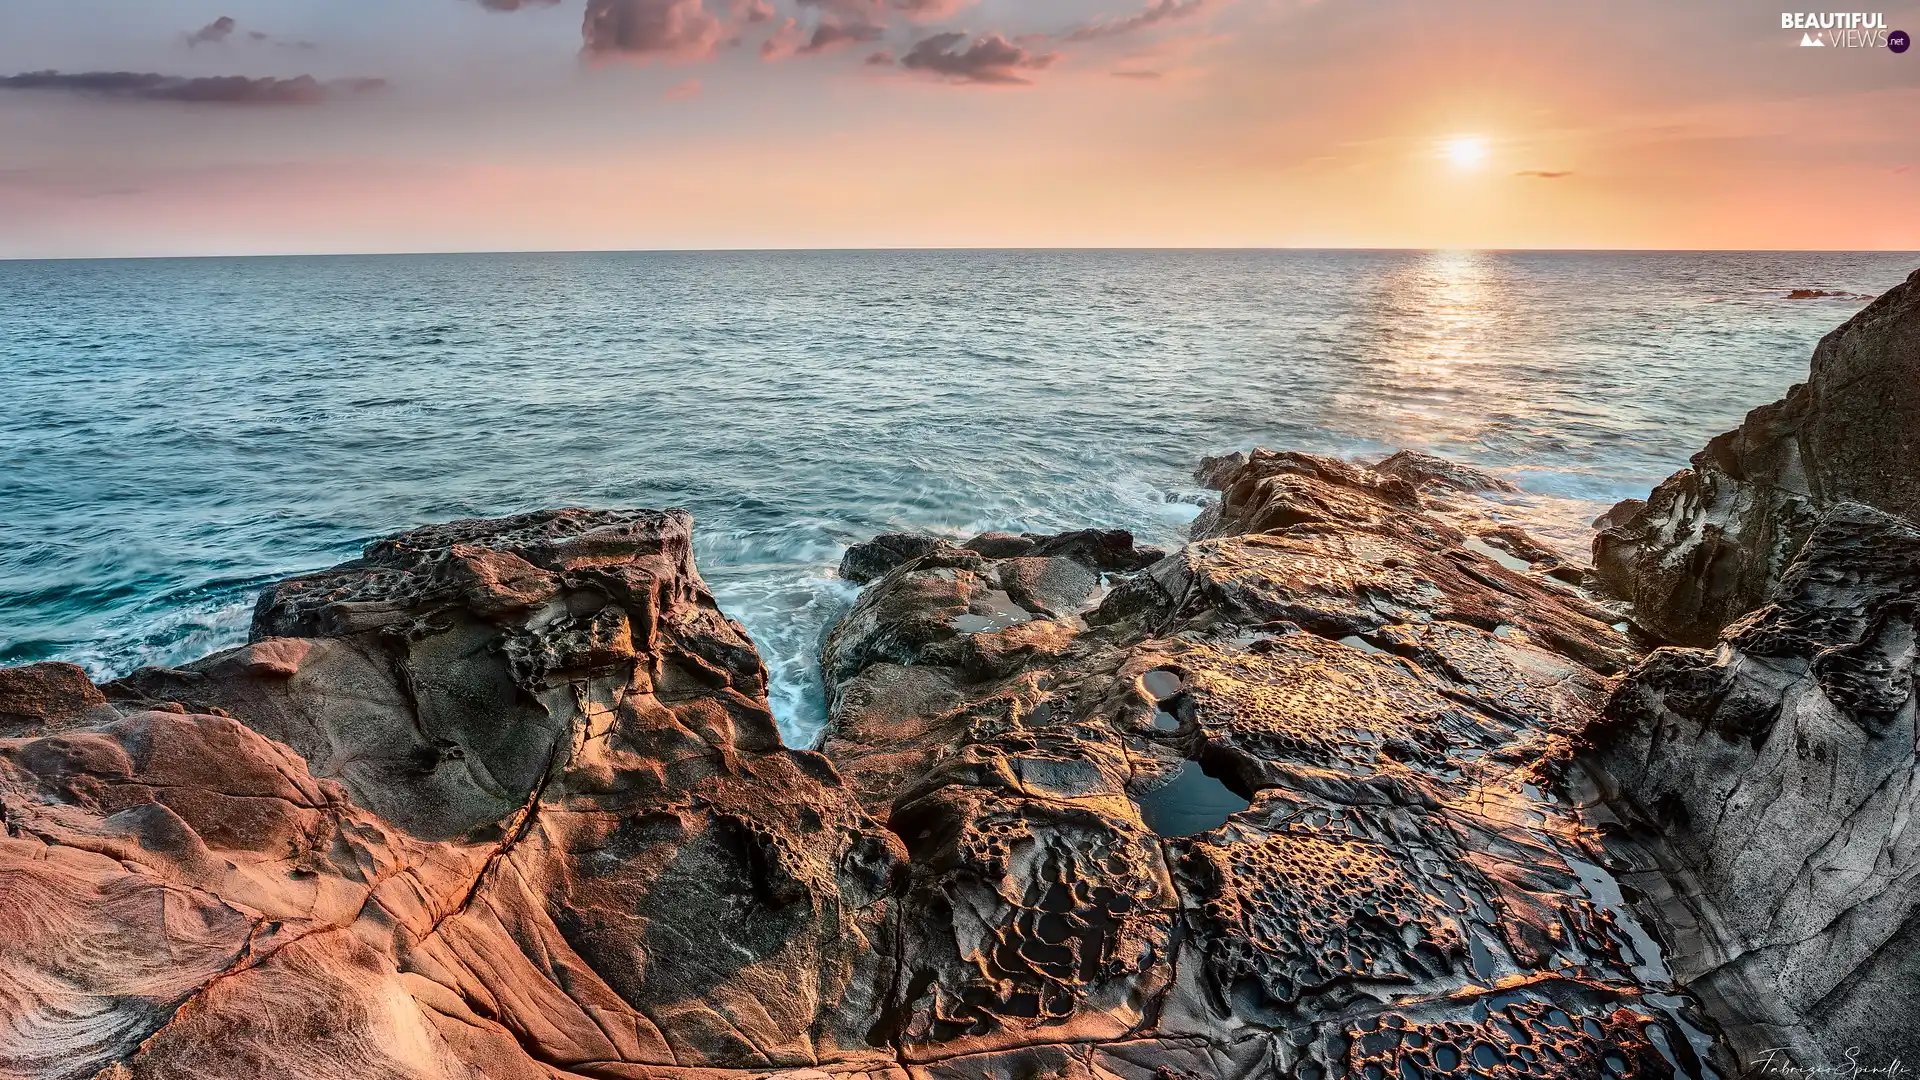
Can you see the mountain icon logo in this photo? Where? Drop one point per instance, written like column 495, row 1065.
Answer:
column 1808, row 40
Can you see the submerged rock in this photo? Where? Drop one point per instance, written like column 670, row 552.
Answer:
column 1711, row 543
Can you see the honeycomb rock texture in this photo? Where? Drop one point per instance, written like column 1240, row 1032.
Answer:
column 504, row 799
column 1277, row 804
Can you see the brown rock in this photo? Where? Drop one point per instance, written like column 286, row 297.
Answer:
column 1426, row 470
column 505, row 799
column 563, row 832
column 42, row 696
column 1277, row 773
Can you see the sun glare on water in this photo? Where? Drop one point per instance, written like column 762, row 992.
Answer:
column 1466, row 152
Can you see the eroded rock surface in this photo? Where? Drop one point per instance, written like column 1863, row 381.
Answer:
column 1272, row 806
column 1712, row 542
column 504, row 799
column 1777, row 775
column 1765, row 780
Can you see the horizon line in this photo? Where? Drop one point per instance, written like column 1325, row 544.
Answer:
column 943, row 249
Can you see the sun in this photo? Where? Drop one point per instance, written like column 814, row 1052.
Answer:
column 1466, row 152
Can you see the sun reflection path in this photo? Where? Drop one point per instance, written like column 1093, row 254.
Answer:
column 1426, row 382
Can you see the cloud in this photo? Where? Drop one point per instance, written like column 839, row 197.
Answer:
column 686, row 91
column 1158, row 12
column 645, row 29
column 791, row 39
column 877, row 11
column 1145, row 76
column 213, row 33
column 514, row 5
column 848, row 22
column 216, row 90
column 220, row 30
column 1545, row 174
column 991, row 59
column 259, row 38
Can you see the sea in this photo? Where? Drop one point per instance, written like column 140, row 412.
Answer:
column 177, row 433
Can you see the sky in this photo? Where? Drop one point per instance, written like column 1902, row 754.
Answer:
column 186, row 127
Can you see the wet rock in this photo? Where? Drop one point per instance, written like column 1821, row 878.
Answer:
column 1217, row 472
column 1427, row 470
column 1774, row 779
column 1824, row 294
column 504, row 798
column 1712, row 542
column 880, row 555
column 1763, row 775
column 1051, row 586
column 1275, row 806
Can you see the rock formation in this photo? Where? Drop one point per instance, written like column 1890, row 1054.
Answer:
column 1775, row 781
column 1712, row 542
column 507, row 801
column 504, row 799
column 1767, row 780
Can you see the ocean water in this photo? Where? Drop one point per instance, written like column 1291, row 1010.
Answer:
column 176, row 433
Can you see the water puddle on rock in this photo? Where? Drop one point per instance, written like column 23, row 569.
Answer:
column 1163, row 687
column 1000, row 613
column 1481, row 547
column 1192, row 802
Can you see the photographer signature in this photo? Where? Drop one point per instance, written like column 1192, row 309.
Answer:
column 1777, row 1063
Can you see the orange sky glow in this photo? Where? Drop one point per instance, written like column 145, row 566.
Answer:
column 1374, row 123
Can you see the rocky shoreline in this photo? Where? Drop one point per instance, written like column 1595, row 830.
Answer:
column 1361, row 781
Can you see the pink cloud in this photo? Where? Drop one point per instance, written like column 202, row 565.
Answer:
column 1157, row 12
column 992, row 59
column 648, row 29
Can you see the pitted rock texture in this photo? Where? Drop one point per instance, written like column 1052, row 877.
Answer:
column 501, row 799
column 504, row 799
column 1712, row 542
column 1774, row 781
column 1387, row 888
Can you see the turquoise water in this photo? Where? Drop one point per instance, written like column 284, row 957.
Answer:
column 177, row 433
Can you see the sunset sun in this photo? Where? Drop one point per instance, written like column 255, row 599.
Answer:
column 1466, row 152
